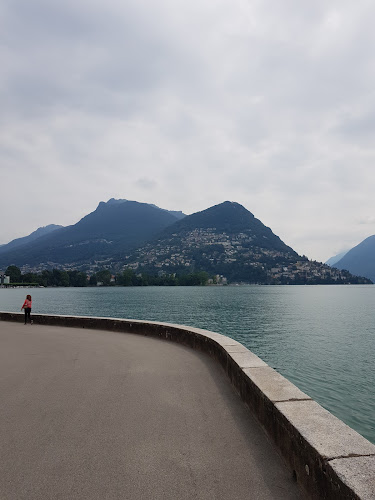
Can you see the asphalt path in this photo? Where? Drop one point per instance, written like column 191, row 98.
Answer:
column 86, row 414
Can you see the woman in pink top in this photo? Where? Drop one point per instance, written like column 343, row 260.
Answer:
column 27, row 308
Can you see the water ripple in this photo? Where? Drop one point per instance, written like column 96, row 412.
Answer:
column 322, row 338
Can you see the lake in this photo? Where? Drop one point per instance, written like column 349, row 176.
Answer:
column 322, row 338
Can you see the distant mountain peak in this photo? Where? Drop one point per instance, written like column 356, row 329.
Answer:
column 35, row 235
column 229, row 216
column 113, row 201
column 224, row 239
column 177, row 213
column 113, row 228
column 333, row 260
column 360, row 260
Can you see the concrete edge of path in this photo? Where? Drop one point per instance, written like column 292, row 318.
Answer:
column 328, row 458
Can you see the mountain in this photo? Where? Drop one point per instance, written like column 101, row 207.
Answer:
column 229, row 218
column 41, row 231
column 225, row 240
column 114, row 227
column 228, row 240
column 177, row 213
column 332, row 260
column 360, row 260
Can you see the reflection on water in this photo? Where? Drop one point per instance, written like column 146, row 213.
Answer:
column 322, row 338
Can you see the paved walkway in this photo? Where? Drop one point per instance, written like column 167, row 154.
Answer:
column 99, row 415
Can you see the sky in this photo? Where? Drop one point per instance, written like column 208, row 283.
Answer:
column 186, row 105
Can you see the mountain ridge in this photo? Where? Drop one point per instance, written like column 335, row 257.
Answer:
column 231, row 217
column 360, row 259
column 38, row 233
column 332, row 260
column 225, row 239
column 228, row 240
column 111, row 227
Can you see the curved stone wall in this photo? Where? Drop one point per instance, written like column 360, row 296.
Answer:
column 329, row 459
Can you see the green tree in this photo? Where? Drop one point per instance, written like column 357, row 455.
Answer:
column 46, row 278
column 14, row 273
column 126, row 278
column 202, row 277
column 144, row 279
column 30, row 278
column 104, row 276
column 59, row 278
column 77, row 278
column 64, row 278
column 93, row 280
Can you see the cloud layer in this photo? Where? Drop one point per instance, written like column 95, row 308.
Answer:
column 185, row 105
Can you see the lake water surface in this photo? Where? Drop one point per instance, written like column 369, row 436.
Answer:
column 322, row 338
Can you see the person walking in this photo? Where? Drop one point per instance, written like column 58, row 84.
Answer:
column 27, row 308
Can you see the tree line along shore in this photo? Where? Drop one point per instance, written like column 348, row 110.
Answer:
column 73, row 278
column 128, row 277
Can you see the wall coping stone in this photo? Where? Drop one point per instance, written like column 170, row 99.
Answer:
column 358, row 474
column 331, row 437
column 328, row 458
column 274, row 386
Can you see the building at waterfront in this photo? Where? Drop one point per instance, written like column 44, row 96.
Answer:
column 4, row 279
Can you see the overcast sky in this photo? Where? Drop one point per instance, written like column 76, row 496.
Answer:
column 188, row 104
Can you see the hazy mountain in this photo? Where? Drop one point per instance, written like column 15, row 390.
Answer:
column 360, row 260
column 41, row 231
column 332, row 261
column 114, row 227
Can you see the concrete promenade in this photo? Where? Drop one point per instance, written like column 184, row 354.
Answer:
column 87, row 414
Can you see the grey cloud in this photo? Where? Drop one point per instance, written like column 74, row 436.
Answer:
column 146, row 183
column 266, row 103
column 93, row 53
column 367, row 221
column 357, row 127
